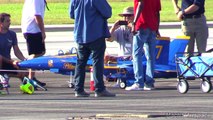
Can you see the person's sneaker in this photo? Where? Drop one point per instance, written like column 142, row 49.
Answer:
column 134, row 87
column 39, row 82
column 148, row 87
column 35, row 88
column 81, row 94
column 104, row 93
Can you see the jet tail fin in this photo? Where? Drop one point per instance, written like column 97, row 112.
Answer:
column 177, row 45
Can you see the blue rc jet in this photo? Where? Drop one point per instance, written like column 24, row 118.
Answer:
column 64, row 63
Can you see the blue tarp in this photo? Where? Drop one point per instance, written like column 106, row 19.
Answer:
column 202, row 66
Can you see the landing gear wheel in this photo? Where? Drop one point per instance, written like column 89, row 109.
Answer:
column 183, row 86
column 206, row 86
column 71, row 85
column 122, row 83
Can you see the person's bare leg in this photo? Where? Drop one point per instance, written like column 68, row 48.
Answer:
column 31, row 73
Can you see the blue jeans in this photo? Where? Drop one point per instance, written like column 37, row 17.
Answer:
column 144, row 42
column 96, row 49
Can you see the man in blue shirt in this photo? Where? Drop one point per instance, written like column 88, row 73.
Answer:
column 194, row 24
column 90, row 31
column 8, row 40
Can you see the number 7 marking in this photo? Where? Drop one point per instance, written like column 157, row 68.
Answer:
column 160, row 47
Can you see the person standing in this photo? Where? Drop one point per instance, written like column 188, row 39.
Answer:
column 145, row 30
column 193, row 23
column 8, row 40
column 32, row 26
column 90, row 31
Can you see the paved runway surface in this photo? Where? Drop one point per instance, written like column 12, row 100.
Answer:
column 59, row 103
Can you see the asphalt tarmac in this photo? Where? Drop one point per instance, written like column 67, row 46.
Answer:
column 59, row 103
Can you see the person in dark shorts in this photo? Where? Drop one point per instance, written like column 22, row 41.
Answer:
column 32, row 25
column 8, row 67
column 35, row 45
column 8, row 40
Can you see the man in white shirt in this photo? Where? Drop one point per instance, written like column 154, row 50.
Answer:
column 32, row 25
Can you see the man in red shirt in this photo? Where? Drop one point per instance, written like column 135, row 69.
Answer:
column 145, row 29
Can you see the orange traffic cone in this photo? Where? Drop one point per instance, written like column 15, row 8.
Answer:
column 92, row 87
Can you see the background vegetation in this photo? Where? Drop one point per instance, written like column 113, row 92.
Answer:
column 58, row 13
